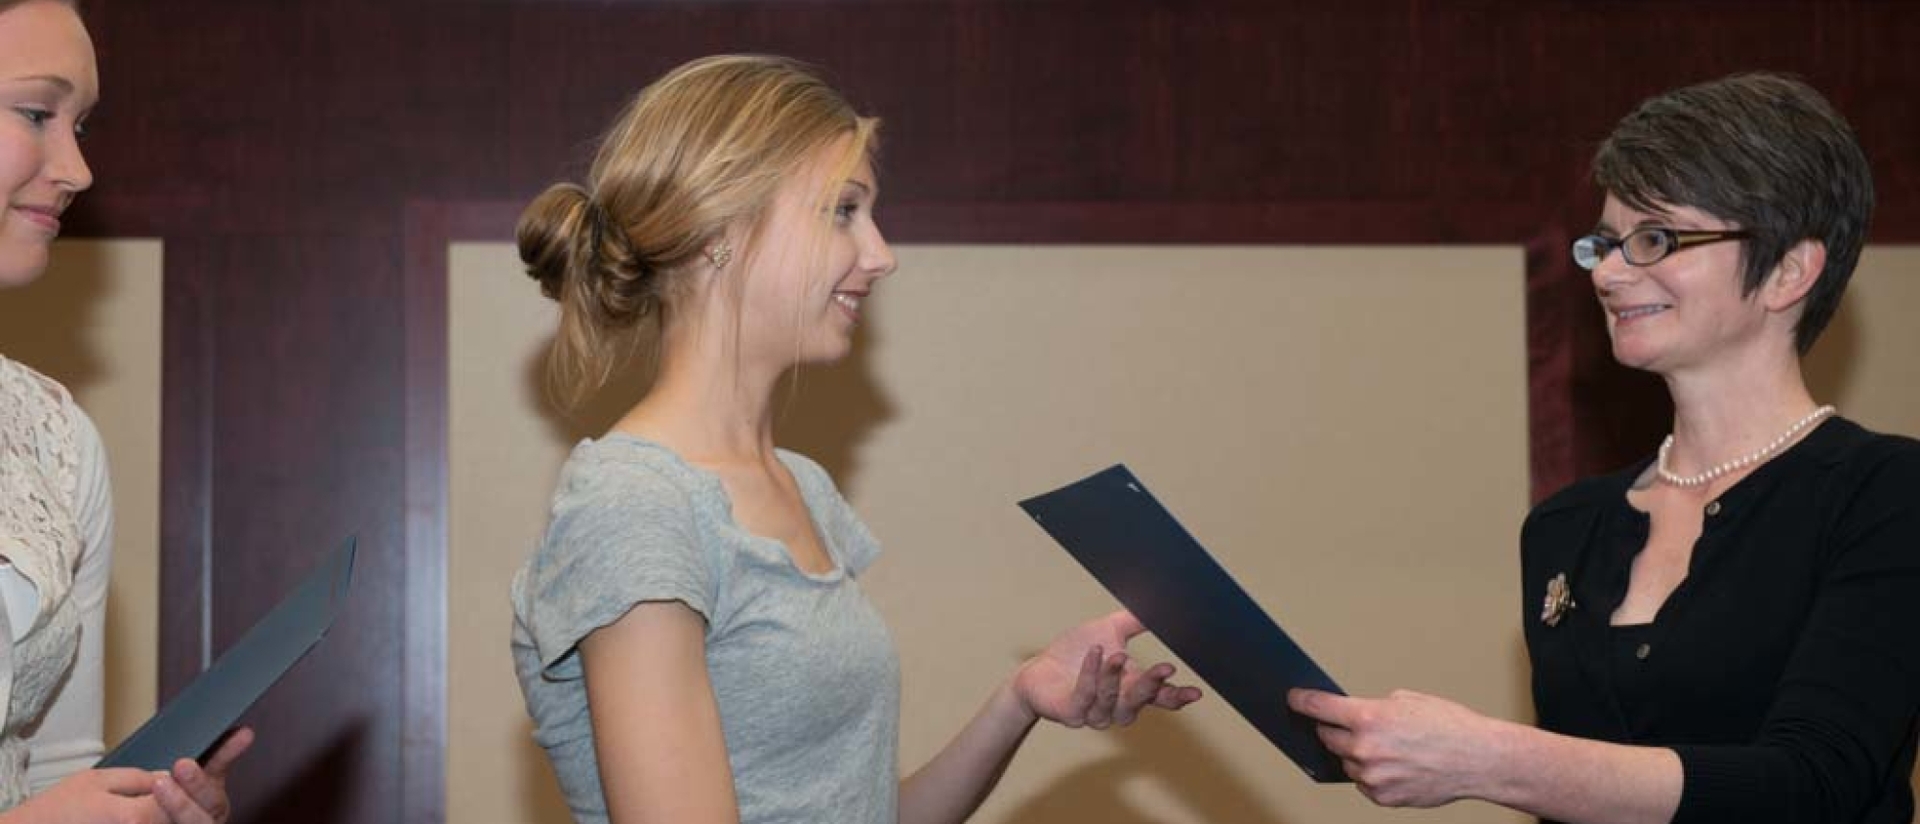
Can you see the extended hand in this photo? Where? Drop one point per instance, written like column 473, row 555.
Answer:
column 1085, row 677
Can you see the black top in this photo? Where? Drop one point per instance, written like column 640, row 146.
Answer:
column 1785, row 670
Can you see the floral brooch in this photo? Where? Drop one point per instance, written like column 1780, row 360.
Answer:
column 1559, row 600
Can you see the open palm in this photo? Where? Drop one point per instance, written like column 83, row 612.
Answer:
column 1085, row 677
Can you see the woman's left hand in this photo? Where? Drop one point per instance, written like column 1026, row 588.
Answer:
column 1404, row 750
column 1086, row 678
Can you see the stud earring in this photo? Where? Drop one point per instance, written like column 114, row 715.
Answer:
column 720, row 253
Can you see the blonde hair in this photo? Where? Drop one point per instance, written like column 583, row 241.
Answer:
column 701, row 150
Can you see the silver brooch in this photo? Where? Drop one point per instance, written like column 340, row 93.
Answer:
column 1559, row 600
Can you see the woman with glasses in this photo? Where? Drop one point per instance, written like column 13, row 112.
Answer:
column 1728, row 630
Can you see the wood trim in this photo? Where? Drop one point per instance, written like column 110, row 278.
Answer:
column 430, row 227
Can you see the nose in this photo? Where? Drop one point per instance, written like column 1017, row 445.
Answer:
column 1613, row 271
column 66, row 166
column 876, row 257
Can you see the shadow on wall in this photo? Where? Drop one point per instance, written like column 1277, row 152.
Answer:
column 825, row 413
column 627, row 381
column 1829, row 367
column 1162, row 750
column 43, row 324
column 320, row 788
column 540, row 799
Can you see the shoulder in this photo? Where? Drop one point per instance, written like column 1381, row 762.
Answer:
column 808, row 472
column 1559, row 526
column 14, row 372
column 629, row 471
column 630, row 496
column 1586, row 495
column 1866, row 476
column 35, row 396
column 41, row 414
column 1860, row 450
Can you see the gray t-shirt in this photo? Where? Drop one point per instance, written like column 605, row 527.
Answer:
column 802, row 666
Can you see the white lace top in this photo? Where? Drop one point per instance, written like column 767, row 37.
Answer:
column 56, row 527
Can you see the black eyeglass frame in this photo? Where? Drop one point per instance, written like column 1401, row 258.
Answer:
column 1589, row 251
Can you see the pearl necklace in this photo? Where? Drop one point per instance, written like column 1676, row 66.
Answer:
column 1742, row 462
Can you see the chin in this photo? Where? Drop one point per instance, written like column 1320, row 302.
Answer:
column 21, row 267
column 827, row 354
column 829, row 358
column 1636, row 358
column 1628, row 353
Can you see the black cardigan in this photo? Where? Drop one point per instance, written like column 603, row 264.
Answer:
column 1785, row 670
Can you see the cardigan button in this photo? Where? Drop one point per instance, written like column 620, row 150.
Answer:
column 1643, row 651
column 1713, row 508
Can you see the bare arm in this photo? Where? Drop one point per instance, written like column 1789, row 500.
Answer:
column 1083, row 678
column 656, row 724
column 958, row 779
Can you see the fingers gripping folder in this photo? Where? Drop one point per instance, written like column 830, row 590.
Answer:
column 1135, row 548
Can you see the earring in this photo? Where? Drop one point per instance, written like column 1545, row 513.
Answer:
column 721, row 253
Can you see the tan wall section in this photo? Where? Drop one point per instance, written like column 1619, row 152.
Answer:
column 93, row 322
column 1342, row 427
column 1866, row 362
column 1345, row 428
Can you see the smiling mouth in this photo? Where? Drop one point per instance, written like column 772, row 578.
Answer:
column 1638, row 312
column 848, row 301
column 46, row 218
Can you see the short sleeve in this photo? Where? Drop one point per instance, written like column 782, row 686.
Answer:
column 621, row 534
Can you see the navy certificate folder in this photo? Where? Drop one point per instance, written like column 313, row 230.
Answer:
column 1137, row 550
column 189, row 725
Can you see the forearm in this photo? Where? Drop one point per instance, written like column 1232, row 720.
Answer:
column 1577, row 780
column 951, row 786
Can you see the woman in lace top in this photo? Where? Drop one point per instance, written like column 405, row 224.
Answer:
column 56, row 519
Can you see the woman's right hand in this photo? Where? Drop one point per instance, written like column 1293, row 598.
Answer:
column 120, row 795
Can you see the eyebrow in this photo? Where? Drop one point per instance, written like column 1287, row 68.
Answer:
column 864, row 186
column 55, row 80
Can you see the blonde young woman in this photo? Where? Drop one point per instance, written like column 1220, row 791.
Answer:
column 691, row 635
column 1729, row 630
column 56, row 519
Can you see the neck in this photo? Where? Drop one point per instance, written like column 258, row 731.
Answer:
column 1723, row 416
column 709, row 403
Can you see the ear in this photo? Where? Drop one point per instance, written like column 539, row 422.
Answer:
column 1799, row 269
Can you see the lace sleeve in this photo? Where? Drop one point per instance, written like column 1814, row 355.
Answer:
column 70, row 738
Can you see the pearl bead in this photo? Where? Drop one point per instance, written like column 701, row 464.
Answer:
column 1688, row 481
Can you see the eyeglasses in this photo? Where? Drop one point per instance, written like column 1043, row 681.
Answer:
column 1643, row 247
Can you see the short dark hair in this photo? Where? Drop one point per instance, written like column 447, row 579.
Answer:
column 1763, row 151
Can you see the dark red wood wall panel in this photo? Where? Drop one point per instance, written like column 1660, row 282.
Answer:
column 303, row 159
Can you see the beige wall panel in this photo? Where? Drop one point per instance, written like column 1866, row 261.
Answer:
column 93, row 322
column 1868, row 362
column 1345, row 428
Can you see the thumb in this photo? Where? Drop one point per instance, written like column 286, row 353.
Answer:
column 1124, row 623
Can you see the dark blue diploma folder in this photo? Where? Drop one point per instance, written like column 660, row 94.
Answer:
column 203, row 712
column 1140, row 553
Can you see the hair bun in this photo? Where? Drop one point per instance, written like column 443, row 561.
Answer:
column 553, row 234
